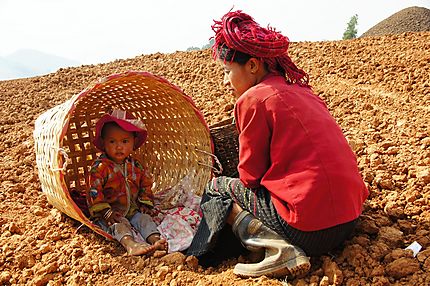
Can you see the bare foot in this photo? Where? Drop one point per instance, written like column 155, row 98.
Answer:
column 140, row 249
column 158, row 242
column 161, row 244
column 135, row 248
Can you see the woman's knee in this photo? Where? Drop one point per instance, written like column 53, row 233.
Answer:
column 219, row 186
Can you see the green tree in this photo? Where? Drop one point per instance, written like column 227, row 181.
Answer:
column 207, row 46
column 192, row 49
column 351, row 30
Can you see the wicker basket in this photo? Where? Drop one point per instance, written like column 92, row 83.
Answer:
column 226, row 146
column 178, row 142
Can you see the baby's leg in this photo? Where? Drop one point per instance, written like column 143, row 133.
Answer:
column 124, row 234
column 146, row 226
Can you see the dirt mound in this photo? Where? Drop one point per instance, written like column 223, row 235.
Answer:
column 379, row 92
column 412, row 19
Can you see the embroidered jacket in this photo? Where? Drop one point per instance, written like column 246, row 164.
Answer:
column 120, row 187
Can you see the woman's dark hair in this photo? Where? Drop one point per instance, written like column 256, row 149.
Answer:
column 226, row 54
column 230, row 55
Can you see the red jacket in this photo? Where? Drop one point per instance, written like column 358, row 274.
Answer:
column 290, row 144
column 108, row 186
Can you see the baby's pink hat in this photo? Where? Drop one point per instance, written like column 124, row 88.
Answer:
column 127, row 122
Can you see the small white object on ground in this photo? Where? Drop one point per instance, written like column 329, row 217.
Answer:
column 415, row 247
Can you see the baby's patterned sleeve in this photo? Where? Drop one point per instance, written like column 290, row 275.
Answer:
column 95, row 196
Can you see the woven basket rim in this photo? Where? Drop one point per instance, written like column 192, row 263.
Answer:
column 96, row 84
column 72, row 104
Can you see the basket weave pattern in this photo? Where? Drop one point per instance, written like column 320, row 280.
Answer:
column 178, row 142
column 226, row 146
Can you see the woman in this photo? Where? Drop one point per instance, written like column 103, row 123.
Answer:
column 299, row 190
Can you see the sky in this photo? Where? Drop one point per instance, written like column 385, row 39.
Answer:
column 99, row 31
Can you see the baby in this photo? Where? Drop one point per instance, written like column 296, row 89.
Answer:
column 120, row 198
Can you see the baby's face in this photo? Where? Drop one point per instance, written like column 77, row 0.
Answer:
column 118, row 143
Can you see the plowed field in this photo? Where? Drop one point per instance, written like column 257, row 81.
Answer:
column 377, row 88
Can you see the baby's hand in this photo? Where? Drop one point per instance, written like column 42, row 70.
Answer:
column 112, row 217
column 145, row 209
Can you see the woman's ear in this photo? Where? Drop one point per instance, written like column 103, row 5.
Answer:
column 254, row 65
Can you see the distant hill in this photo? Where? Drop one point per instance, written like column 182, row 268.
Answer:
column 412, row 19
column 28, row 63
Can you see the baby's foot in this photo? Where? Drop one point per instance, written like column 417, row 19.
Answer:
column 161, row 244
column 160, row 248
column 140, row 249
column 135, row 248
column 158, row 242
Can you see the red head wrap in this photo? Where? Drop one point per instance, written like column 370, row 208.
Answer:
column 239, row 31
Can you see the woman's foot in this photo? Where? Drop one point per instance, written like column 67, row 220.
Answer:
column 135, row 248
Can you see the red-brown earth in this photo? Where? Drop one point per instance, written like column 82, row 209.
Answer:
column 377, row 88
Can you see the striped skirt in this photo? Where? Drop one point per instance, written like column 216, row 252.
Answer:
column 218, row 198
